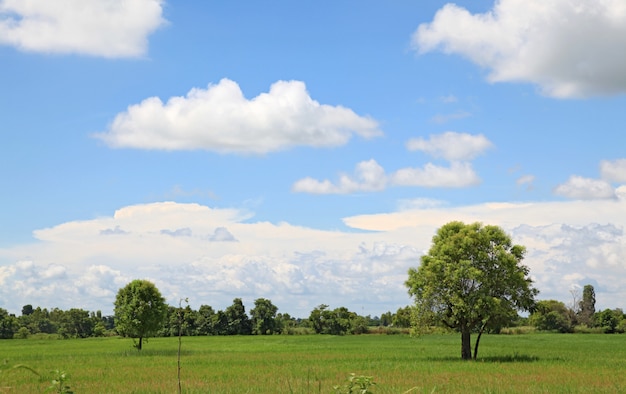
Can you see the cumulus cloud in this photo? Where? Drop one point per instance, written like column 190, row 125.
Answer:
column 578, row 187
column 613, row 171
column 569, row 48
column 368, row 176
column 114, row 28
column 458, row 174
column 219, row 118
column 371, row 177
column 563, row 256
column 451, row 145
column 431, row 175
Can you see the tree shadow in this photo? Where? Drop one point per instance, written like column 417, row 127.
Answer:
column 509, row 358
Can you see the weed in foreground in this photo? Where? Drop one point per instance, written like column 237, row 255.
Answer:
column 356, row 385
column 59, row 383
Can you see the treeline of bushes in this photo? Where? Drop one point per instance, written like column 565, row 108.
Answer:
column 263, row 319
column 555, row 316
column 581, row 316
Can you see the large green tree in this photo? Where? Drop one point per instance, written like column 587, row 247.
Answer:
column 140, row 310
column 470, row 280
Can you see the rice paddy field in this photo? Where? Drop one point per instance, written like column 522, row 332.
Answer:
column 531, row 363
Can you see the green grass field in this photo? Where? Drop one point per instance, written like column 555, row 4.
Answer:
column 533, row 363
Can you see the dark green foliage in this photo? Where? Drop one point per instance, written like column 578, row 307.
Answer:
column 27, row 310
column 179, row 321
column 264, row 317
column 76, row 323
column 551, row 315
column 8, row 324
column 205, row 321
column 238, row 322
column 339, row 321
column 610, row 320
column 140, row 310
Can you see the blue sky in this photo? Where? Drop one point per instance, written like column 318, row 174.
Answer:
column 304, row 152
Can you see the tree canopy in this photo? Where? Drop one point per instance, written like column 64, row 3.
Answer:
column 140, row 310
column 470, row 280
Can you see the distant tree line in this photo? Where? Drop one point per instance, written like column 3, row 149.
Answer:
column 263, row 319
column 580, row 316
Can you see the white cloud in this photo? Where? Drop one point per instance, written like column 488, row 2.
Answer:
column 368, row 176
column 581, row 188
column 112, row 28
column 221, row 119
column 299, row 268
column 459, row 174
column 613, row 171
column 570, row 48
column 451, row 145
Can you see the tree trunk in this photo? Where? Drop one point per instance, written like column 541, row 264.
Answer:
column 139, row 344
column 466, row 344
column 477, row 342
column 480, row 332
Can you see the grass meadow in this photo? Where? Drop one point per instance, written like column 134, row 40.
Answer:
column 531, row 363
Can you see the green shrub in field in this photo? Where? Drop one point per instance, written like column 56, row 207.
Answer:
column 59, row 383
column 356, row 385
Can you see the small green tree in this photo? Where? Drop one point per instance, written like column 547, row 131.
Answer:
column 471, row 278
column 140, row 310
